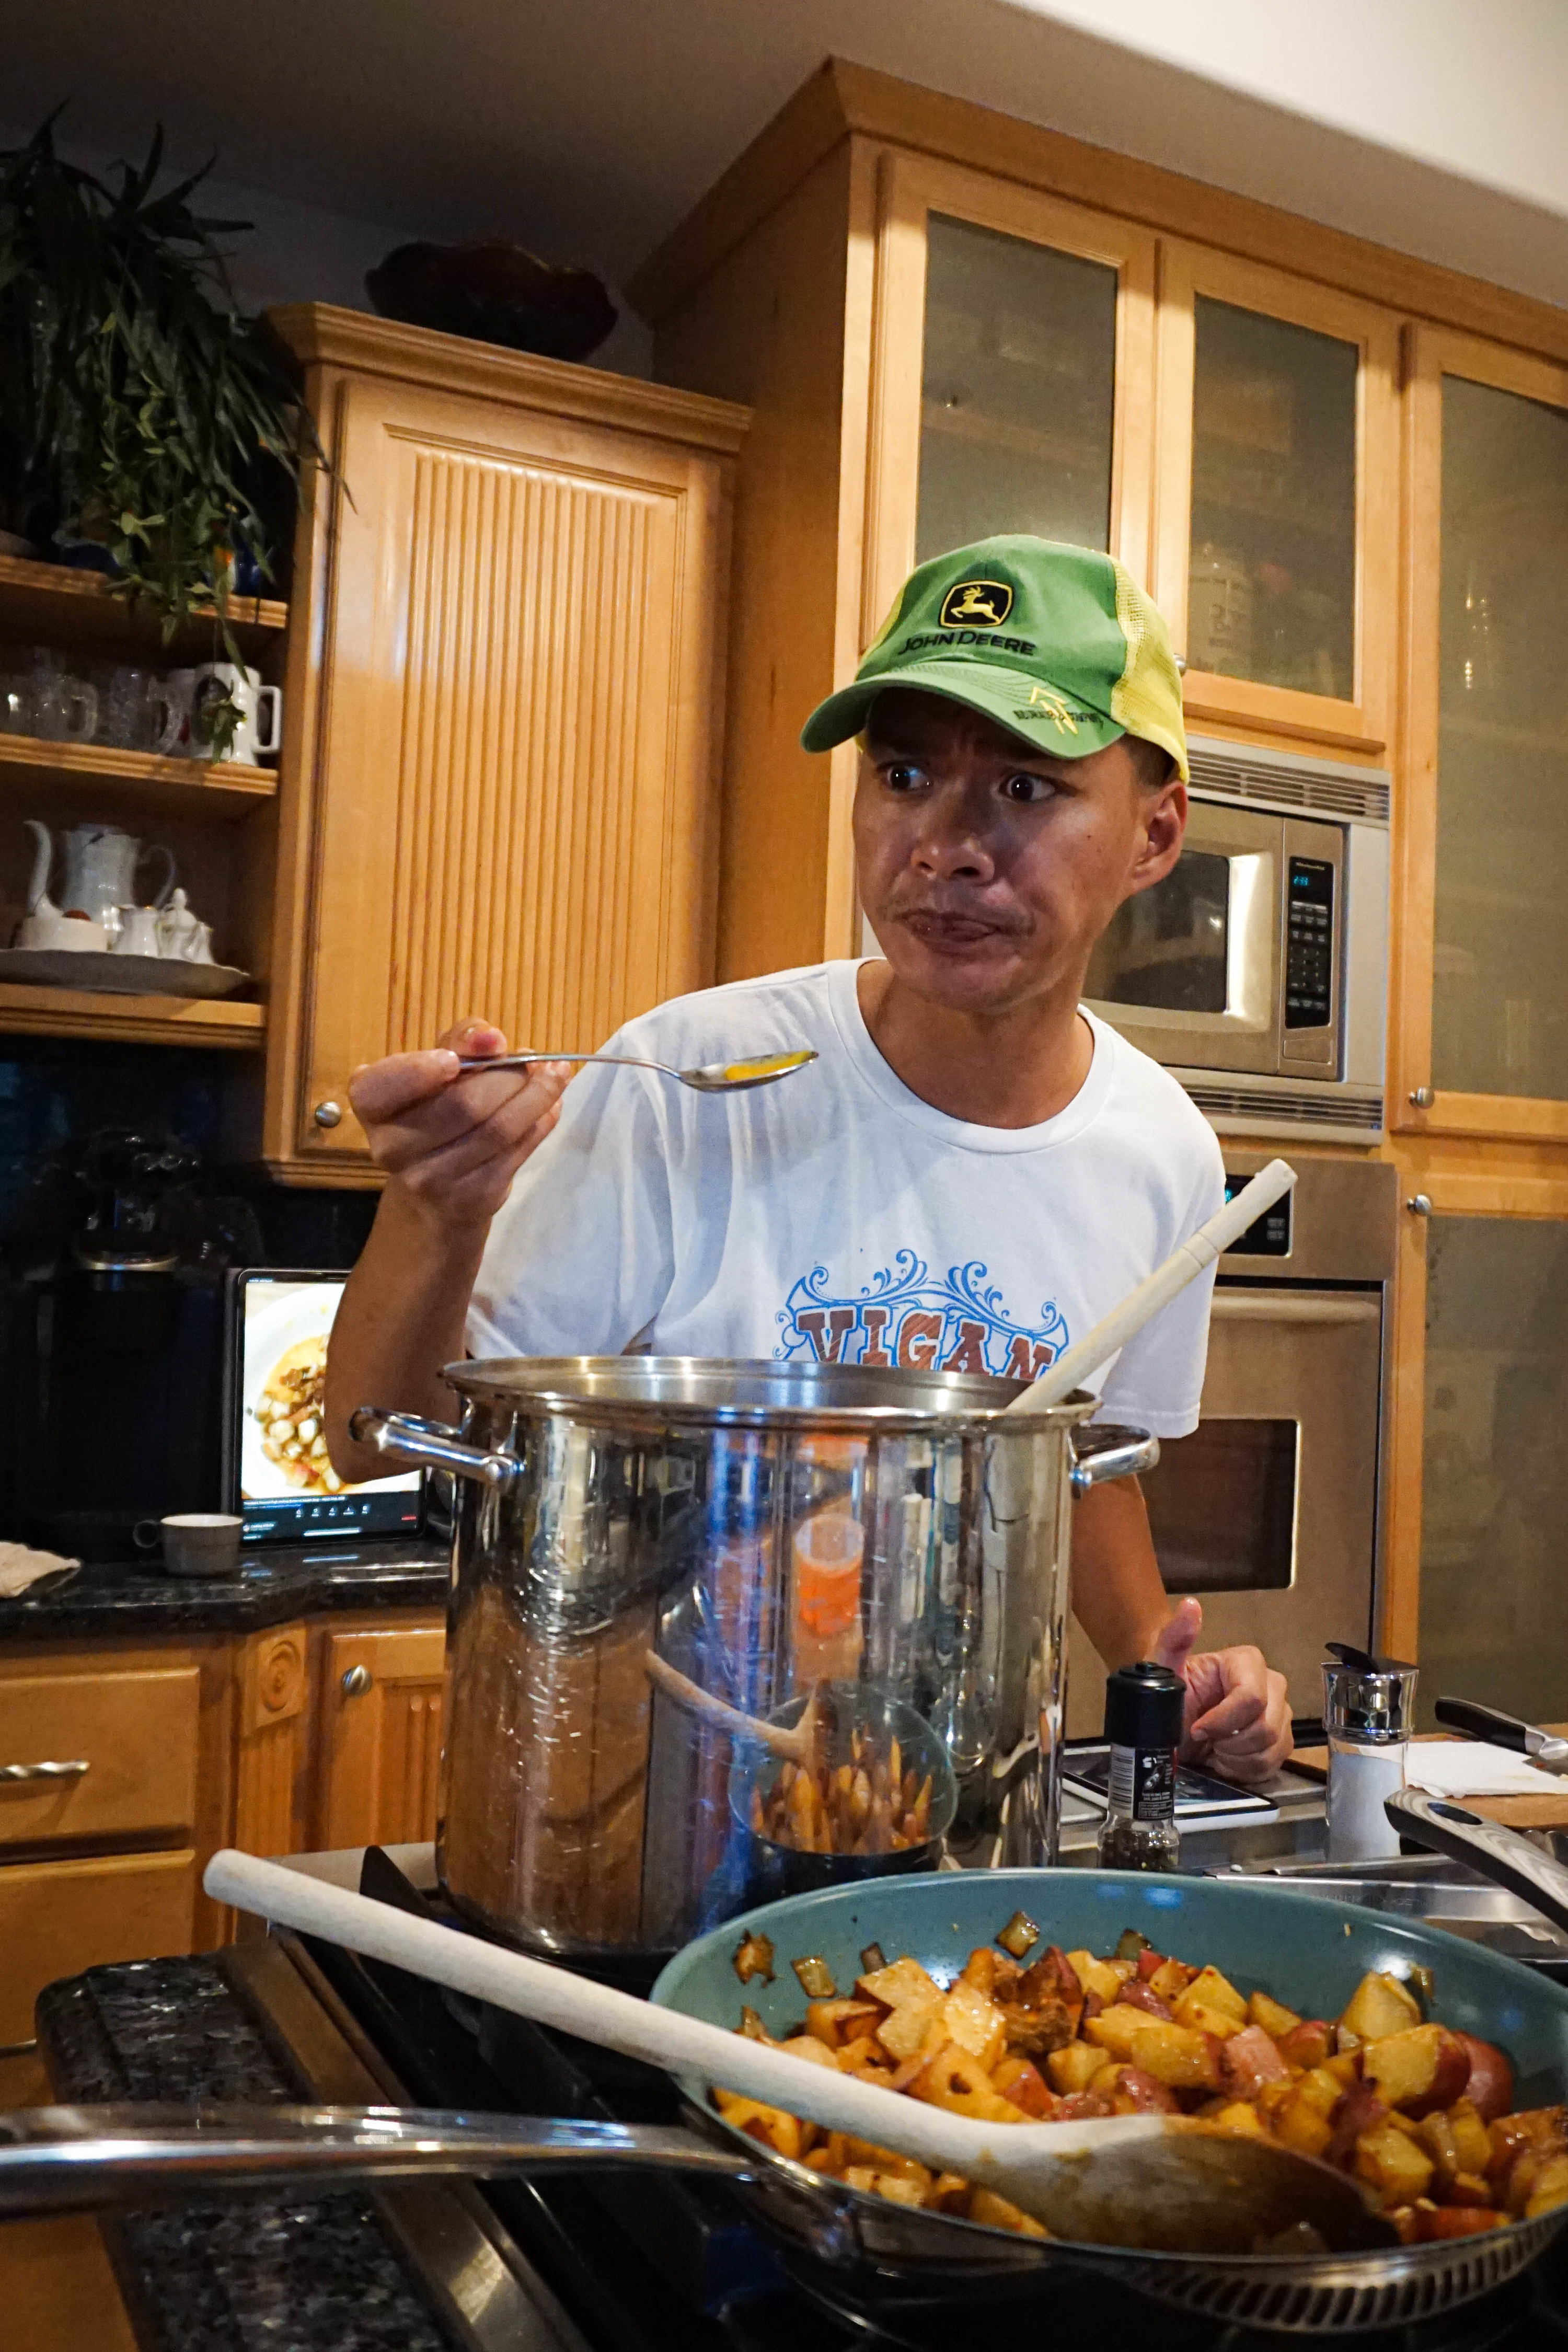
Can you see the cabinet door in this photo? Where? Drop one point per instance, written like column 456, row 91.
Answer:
column 1481, row 1021
column 59, row 1918
column 1494, row 1488
column 1013, row 374
column 1278, row 483
column 511, row 779
column 380, row 1737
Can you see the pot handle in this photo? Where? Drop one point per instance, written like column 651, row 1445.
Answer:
column 1107, row 1450
column 435, row 1444
column 1500, row 1854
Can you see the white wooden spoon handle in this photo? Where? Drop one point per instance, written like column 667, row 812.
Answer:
column 664, row 2037
column 1228, row 1225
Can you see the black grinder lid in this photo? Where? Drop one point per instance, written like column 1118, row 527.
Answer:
column 1143, row 1706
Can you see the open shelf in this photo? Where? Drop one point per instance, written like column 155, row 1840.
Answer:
column 52, row 603
column 142, row 779
column 133, row 1020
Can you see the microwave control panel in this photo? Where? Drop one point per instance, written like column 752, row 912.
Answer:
column 1309, row 943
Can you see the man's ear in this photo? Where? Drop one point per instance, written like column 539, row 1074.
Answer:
column 1162, row 820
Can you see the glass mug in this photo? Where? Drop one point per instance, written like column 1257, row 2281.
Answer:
column 64, row 705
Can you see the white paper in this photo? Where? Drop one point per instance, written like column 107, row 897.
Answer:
column 1470, row 1767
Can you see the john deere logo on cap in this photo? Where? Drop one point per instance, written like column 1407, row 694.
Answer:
column 976, row 604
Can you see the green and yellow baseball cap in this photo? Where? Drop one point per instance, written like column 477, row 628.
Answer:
column 1057, row 644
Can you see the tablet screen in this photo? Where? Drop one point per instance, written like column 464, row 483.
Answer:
column 288, row 1488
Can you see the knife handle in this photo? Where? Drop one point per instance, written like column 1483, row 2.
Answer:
column 1484, row 1723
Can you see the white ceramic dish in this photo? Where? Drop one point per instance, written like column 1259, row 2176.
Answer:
column 120, row 975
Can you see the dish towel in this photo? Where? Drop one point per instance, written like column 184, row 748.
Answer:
column 1470, row 1767
column 20, row 1567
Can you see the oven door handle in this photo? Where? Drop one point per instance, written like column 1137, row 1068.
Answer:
column 1252, row 1306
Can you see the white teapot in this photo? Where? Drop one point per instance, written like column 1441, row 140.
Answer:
column 99, row 879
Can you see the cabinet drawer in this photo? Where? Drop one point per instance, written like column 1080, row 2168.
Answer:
column 59, row 1918
column 134, row 1732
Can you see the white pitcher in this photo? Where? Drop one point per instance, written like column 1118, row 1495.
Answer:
column 100, row 872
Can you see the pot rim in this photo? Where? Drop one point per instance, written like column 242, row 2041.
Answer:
column 637, row 1391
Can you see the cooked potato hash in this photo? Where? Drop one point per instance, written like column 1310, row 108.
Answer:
column 1416, row 2111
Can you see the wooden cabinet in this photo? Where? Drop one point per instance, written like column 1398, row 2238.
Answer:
column 380, row 1742
column 58, row 1917
column 503, row 715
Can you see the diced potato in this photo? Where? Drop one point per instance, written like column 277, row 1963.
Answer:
column 772, row 2126
column 1174, row 2054
column 948, row 2193
column 1423, row 2068
column 883, row 2159
column 954, row 2079
column 1437, row 2139
column 1204, row 2019
column 906, row 2029
column 1321, row 2090
column 1549, row 2189
column 1102, row 1977
column 1214, row 1992
column 1380, row 2005
column 1396, row 2164
column 894, row 2186
column 1170, row 1979
column 1302, row 2124
column 1344, row 2065
column 1238, row 2115
column 904, row 1981
column 837, row 2021
column 816, row 2054
column 1308, row 2043
column 972, row 2020
column 1276, row 2020
column 997, row 2213
column 1020, row 2080
column 980, row 1970
column 1472, row 2141
column 1074, row 2068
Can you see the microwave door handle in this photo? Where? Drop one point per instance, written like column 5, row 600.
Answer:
column 1246, row 1307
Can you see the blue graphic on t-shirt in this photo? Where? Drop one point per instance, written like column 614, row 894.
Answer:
column 907, row 1314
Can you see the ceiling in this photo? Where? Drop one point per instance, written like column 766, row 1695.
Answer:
column 588, row 130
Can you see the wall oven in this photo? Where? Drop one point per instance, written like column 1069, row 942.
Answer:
column 1270, row 1511
column 1256, row 972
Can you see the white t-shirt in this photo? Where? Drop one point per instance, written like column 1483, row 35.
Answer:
column 837, row 1216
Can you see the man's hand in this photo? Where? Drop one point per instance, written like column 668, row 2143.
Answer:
column 452, row 1140
column 1238, row 1711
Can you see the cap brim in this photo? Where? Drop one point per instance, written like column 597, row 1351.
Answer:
column 1043, row 717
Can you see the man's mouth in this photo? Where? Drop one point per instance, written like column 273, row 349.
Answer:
column 952, row 932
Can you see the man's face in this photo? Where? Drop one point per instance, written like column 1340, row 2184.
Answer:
column 989, row 869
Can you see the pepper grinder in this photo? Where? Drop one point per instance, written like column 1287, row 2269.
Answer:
column 1144, row 1709
column 1368, row 1707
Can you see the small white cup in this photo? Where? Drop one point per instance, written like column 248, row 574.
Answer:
column 195, row 1543
column 137, row 933
column 71, row 934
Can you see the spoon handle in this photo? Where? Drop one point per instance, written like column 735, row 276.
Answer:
column 781, row 1740
column 527, row 1061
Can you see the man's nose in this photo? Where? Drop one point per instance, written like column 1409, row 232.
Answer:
column 952, row 846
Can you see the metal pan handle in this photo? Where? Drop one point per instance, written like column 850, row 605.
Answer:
column 1105, row 1452
column 435, row 1444
column 1499, row 1855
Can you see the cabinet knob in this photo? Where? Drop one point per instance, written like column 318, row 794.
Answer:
column 1419, row 1204
column 357, row 1682
column 328, row 1114
column 1422, row 1098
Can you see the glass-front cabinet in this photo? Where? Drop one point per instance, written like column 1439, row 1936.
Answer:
column 1276, row 466
column 1014, row 367
column 1481, row 1038
column 1494, row 1485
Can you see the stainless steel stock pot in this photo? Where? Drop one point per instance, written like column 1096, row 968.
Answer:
column 762, row 1528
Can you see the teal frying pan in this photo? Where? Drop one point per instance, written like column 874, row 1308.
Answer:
column 1308, row 1953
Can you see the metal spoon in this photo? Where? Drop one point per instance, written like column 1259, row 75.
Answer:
column 708, row 1077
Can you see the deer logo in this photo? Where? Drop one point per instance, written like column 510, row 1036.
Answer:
column 976, row 604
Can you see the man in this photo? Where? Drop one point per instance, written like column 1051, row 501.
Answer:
column 971, row 1173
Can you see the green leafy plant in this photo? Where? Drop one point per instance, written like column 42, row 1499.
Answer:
column 137, row 406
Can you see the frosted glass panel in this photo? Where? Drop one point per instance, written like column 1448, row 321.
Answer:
column 1016, row 392
column 1494, row 1566
column 1500, row 1022
column 1271, row 593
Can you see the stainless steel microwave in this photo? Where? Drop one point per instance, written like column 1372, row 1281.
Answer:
column 1256, row 971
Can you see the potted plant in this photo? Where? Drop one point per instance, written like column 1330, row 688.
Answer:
column 138, row 410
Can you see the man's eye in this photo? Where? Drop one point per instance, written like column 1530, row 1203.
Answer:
column 1025, row 789
column 904, row 776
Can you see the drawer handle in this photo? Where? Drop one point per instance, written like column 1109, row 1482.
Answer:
column 357, row 1682
column 71, row 1771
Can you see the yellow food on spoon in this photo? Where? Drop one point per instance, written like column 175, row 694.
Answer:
column 765, row 1066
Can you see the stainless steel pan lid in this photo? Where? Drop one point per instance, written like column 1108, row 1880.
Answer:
column 710, row 1391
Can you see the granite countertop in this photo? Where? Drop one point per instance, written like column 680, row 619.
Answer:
column 105, row 1598
column 316, row 2274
